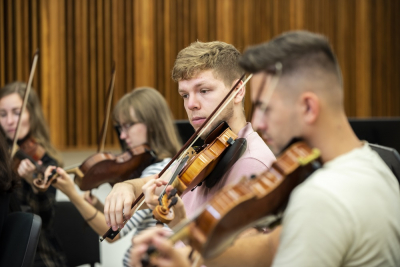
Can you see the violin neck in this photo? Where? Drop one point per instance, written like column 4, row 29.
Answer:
column 182, row 232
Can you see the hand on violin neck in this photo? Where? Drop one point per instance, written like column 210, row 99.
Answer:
column 26, row 170
column 63, row 182
column 149, row 191
column 165, row 253
column 177, row 206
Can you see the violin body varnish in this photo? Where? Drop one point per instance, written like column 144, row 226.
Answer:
column 204, row 162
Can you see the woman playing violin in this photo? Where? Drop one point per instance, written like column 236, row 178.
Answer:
column 143, row 117
column 33, row 127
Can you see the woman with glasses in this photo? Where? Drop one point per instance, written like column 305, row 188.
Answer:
column 142, row 117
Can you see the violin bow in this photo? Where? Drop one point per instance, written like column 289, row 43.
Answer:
column 102, row 141
column 24, row 102
column 276, row 71
column 110, row 233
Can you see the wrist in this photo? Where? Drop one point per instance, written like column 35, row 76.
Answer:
column 74, row 197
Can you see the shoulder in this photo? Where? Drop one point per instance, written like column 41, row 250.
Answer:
column 155, row 168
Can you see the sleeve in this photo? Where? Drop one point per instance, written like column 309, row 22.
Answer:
column 154, row 168
column 316, row 230
column 137, row 221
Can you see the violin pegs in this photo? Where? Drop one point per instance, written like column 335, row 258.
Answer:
column 173, row 202
column 172, row 193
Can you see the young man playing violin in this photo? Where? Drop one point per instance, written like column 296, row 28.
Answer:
column 205, row 73
column 347, row 213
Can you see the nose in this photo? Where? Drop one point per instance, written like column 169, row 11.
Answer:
column 193, row 103
column 123, row 135
column 258, row 121
column 10, row 119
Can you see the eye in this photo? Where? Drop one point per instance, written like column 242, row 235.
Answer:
column 204, row 91
column 184, row 96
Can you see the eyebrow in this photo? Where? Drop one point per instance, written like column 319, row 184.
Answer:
column 197, row 85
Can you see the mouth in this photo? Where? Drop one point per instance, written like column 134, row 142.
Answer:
column 198, row 121
column 128, row 144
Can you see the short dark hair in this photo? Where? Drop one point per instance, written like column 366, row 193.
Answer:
column 294, row 50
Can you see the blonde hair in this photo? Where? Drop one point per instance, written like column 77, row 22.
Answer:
column 151, row 109
column 38, row 127
column 218, row 56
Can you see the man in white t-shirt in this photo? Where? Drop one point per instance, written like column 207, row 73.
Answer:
column 347, row 213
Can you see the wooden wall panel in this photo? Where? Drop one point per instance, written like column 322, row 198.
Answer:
column 80, row 40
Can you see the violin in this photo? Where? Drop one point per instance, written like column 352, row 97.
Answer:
column 32, row 150
column 259, row 201
column 196, row 170
column 106, row 167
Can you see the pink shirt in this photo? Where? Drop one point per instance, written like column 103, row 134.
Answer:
column 256, row 159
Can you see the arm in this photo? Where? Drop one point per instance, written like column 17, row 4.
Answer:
column 93, row 200
column 251, row 250
column 92, row 216
column 26, row 169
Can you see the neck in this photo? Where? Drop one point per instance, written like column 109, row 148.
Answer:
column 334, row 138
column 237, row 121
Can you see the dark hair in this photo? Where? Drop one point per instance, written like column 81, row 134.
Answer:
column 295, row 51
column 8, row 179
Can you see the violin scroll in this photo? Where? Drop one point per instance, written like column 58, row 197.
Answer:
column 163, row 212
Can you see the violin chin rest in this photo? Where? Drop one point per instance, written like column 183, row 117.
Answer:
column 228, row 158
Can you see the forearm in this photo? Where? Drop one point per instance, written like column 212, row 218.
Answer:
column 94, row 217
column 253, row 250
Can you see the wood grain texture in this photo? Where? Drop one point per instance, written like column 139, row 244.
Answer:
column 79, row 40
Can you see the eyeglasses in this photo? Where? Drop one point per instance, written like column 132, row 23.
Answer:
column 125, row 127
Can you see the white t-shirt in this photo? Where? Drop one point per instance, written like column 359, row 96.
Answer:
column 345, row 214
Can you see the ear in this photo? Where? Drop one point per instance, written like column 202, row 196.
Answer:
column 310, row 107
column 239, row 94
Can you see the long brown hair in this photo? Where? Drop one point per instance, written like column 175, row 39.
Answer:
column 38, row 127
column 8, row 179
column 151, row 109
